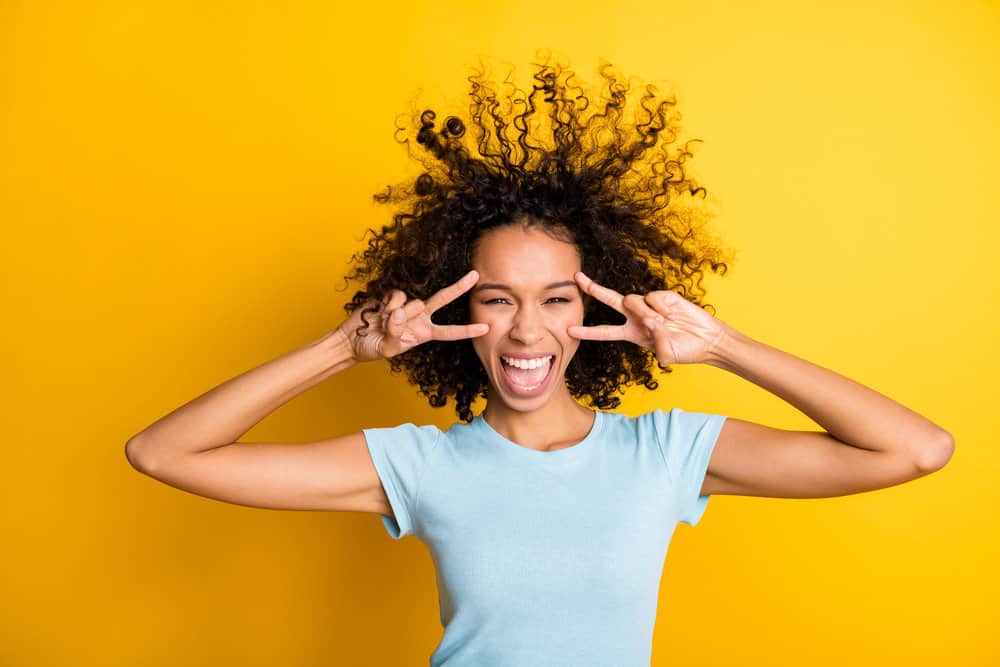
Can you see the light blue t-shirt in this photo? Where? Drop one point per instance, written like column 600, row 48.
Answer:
column 546, row 559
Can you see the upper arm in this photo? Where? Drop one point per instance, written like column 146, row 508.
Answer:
column 336, row 474
column 755, row 460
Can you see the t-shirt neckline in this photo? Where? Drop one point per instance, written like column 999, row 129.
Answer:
column 563, row 453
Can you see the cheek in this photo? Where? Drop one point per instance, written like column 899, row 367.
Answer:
column 573, row 316
column 482, row 314
column 480, row 343
column 485, row 346
column 572, row 319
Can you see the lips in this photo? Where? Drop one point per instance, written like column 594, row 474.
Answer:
column 527, row 376
column 527, row 362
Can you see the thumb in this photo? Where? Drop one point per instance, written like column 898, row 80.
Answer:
column 396, row 324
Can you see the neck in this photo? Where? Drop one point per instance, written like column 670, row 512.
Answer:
column 560, row 422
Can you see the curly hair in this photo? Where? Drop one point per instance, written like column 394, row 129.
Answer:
column 607, row 187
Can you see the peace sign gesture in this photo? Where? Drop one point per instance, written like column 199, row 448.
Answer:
column 403, row 324
column 676, row 330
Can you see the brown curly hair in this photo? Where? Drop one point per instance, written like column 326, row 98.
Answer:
column 612, row 187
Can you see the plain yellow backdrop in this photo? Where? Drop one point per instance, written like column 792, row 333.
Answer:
column 184, row 182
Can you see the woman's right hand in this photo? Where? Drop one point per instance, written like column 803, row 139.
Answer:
column 403, row 324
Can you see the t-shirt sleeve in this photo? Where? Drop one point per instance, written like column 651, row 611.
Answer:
column 686, row 440
column 400, row 454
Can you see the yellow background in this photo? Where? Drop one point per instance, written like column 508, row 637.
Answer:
column 183, row 182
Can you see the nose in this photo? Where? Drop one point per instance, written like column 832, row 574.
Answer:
column 527, row 326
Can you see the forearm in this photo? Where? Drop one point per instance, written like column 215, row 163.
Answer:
column 849, row 411
column 223, row 414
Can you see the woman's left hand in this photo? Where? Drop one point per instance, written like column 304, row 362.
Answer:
column 676, row 330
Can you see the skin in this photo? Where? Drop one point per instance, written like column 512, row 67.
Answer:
column 529, row 318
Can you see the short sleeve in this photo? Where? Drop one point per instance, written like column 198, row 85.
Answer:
column 400, row 455
column 686, row 440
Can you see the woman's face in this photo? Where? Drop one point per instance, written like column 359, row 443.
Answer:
column 526, row 293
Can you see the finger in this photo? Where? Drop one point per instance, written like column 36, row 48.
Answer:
column 599, row 332
column 390, row 303
column 413, row 308
column 662, row 301
column 640, row 310
column 396, row 324
column 600, row 292
column 458, row 331
column 395, row 299
column 448, row 294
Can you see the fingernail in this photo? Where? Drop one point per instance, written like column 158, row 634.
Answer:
column 397, row 316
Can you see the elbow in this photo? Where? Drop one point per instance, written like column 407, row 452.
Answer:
column 936, row 456
column 135, row 455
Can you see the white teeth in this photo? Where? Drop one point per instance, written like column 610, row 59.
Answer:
column 528, row 363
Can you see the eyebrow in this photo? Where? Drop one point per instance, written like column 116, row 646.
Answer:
column 565, row 283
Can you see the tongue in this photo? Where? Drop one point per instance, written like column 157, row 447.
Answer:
column 527, row 377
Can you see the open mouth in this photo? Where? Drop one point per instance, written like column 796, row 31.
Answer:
column 527, row 377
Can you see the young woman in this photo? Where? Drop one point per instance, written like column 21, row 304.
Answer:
column 534, row 275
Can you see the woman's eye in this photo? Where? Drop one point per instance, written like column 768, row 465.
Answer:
column 557, row 299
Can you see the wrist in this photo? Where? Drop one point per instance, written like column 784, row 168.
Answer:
column 337, row 350
column 730, row 347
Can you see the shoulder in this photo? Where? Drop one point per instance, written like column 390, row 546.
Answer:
column 407, row 439
column 676, row 430
column 407, row 429
column 676, row 418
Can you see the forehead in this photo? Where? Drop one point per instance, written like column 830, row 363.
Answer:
column 524, row 255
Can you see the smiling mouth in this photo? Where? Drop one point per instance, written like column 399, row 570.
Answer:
column 525, row 376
